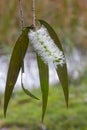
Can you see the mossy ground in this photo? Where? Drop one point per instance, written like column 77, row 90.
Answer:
column 24, row 113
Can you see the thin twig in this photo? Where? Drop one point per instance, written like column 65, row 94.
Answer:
column 21, row 15
column 34, row 16
column 22, row 27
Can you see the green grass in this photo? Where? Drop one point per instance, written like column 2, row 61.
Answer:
column 24, row 113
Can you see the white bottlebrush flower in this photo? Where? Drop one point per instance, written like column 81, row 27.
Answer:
column 44, row 45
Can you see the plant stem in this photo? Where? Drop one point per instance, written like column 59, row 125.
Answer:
column 34, row 16
column 22, row 26
column 21, row 15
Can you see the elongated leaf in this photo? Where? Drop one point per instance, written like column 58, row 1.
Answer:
column 22, row 67
column 61, row 70
column 44, row 82
column 16, row 62
column 29, row 93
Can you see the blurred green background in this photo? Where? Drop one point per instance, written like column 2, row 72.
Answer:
column 69, row 19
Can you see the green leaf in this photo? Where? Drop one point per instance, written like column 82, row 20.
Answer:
column 15, row 64
column 29, row 93
column 22, row 67
column 63, row 77
column 44, row 83
column 61, row 70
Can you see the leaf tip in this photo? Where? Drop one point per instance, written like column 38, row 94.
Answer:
column 29, row 93
column 67, row 98
column 5, row 110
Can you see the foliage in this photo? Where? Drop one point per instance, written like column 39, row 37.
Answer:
column 15, row 65
column 17, row 61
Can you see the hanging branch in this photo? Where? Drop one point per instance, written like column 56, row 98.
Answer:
column 22, row 26
column 21, row 15
column 33, row 12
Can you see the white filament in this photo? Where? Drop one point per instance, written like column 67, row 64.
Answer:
column 44, row 45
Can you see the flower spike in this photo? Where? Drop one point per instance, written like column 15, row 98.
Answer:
column 45, row 47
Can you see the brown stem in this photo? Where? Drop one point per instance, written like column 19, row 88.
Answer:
column 21, row 15
column 34, row 16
